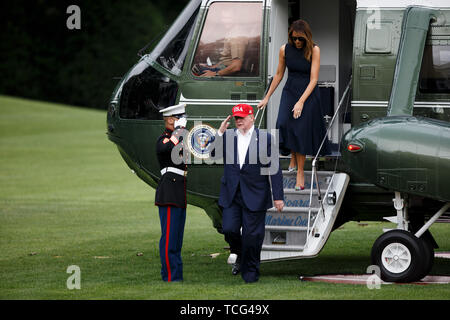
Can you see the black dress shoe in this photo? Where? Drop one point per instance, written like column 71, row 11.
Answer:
column 236, row 267
column 251, row 281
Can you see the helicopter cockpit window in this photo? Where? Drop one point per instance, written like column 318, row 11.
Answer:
column 435, row 71
column 172, row 49
column 145, row 92
column 230, row 41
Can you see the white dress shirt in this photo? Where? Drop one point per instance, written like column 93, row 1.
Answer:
column 243, row 141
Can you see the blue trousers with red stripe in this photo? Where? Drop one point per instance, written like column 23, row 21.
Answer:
column 172, row 229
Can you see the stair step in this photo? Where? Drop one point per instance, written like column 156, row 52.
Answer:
column 334, row 147
column 293, row 210
column 303, row 192
column 308, row 173
column 301, row 199
column 324, row 177
column 289, row 222
column 284, row 247
column 285, row 228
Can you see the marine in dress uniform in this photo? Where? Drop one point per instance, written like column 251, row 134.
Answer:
column 170, row 194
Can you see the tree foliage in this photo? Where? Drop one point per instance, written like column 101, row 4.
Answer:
column 42, row 59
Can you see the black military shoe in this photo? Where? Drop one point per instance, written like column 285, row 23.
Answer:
column 236, row 267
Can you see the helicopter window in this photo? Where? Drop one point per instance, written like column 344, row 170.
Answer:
column 145, row 92
column 435, row 71
column 172, row 49
column 378, row 39
column 230, row 41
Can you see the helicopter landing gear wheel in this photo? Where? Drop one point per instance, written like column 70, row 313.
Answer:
column 398, row 253
column 427, row 258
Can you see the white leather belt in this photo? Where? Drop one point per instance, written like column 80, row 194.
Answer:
column 174, row 170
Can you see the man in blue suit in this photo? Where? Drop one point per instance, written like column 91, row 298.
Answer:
column 250, row 167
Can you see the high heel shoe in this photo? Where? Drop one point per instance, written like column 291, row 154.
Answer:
column 299, row 188
column 290, row 169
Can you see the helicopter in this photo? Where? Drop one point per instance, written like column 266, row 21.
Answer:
column 385, row 94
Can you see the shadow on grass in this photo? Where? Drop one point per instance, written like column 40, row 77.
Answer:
column 334, row 264
column 327, row 264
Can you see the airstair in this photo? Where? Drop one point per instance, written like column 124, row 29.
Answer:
column 302, row 228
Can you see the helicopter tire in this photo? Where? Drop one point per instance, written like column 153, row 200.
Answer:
column 399, row 255
column 427, row 258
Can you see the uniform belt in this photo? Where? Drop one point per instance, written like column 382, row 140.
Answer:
column 174, row 170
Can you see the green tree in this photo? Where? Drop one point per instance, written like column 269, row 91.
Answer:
column 43, row 59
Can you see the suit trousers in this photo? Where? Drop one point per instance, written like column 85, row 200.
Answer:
column 172, row 229
column 248, row 245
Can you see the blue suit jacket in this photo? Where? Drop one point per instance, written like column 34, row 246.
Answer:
column 255, row 187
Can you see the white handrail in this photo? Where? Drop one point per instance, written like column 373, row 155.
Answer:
column 314, row 162
column 264, row 108
column 262, row 116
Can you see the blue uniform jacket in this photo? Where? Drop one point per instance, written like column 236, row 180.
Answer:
column 253, row 178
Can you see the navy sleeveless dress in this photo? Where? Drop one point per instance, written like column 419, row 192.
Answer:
column 304, row 134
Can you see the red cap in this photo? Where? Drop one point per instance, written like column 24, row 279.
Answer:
column 242, row 110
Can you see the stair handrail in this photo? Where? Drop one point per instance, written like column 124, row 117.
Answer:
column 314, row 162
column 264, row 108
column 262, row 116
column 315, row 221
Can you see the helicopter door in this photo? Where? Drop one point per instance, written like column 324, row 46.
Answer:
column 226, row 65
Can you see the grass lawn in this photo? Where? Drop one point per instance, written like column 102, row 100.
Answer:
column 67, row 198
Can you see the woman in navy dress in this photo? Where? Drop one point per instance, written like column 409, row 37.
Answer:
column 300, row 120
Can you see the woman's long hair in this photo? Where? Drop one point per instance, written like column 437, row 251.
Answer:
column 302, row 26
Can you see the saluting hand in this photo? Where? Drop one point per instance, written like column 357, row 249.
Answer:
column 180, row 123
column 224, row 125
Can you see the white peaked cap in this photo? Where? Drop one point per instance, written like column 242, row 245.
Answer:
column 174, row 110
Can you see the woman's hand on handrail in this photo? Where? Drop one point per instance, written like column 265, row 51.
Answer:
column 262, row 104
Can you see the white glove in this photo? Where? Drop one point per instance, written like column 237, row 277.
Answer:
column 180, row 123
